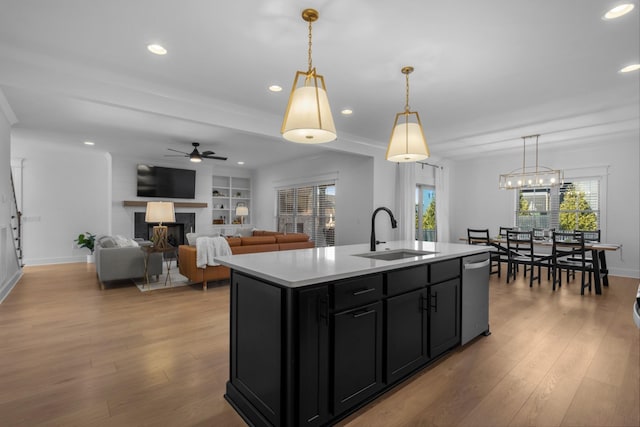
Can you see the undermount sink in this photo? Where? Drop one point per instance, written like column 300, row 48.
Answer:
column 395, row 254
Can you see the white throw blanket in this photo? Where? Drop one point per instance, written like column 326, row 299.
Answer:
column 209, row 247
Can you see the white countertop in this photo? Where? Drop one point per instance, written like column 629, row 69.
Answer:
column 302, row 267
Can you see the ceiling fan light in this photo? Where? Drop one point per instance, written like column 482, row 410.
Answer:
column 195, row 156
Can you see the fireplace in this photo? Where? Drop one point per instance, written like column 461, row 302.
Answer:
column 185, row 223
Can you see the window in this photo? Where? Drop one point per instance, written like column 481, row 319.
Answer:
column 575, row 205
column 309, row 209
column 425, row 218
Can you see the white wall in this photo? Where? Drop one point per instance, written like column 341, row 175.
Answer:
column 354, row 191
column 10, row 270
column 476, row 201
column 65, row 193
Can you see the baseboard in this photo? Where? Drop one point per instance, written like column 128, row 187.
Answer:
column 6, row 287
column 48, row 261
column 624, row 272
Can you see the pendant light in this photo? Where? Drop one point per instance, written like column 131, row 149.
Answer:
column 407, row 142
column 530, row 176
column 308, row 118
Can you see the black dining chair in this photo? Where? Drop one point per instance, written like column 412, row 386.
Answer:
column 569, row 254
column 520, row 251
column 542, row 233
column 503, row 231
column 481, row 237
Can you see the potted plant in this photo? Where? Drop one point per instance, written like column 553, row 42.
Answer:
column 87, row 240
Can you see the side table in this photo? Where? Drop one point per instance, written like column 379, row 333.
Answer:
column 148, row 250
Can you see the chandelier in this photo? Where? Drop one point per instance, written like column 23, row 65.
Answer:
column 530, row 176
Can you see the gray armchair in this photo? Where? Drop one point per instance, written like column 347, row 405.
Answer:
column 117, row 263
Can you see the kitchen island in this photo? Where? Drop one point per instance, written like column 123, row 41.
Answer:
column 318, row 333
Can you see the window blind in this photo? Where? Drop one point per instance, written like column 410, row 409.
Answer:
column 308, row 209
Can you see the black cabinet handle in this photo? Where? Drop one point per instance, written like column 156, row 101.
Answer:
column 363, row 291
column 434, row 299
column 363, row 313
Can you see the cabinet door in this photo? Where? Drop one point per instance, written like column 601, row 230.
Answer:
column 444, row 325
column 313, row 357
column 357, row 355
column 256, row 344
column 406, row 332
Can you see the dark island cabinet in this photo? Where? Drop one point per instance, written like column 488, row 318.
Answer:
column 311, row 355
column 444, row 317
column 312, row 388
column 406, row 331
column 356, row 355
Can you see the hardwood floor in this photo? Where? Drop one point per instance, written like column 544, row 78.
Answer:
column 71, row 354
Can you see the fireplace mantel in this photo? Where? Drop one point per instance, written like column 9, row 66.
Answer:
column 143, row 203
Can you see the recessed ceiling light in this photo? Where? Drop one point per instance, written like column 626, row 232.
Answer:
column 275, row 88
column 157, row 49
column 618, row 11
column 346, row 112
column 241, row 163
column 629, row 68
column 89, row 143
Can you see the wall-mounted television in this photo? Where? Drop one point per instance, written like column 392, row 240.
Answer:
column 157, row 181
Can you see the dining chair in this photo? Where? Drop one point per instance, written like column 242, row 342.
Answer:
column 542, row 233
column 503, row 231
column 569, row 254
column 481, row 237
column 520, row 251
column 588, row 236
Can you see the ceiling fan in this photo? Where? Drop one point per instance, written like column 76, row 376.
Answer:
column 195, row 156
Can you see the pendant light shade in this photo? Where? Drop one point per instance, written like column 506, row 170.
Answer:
column 308, row 118
column 407, row 142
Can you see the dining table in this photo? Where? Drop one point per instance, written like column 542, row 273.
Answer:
column 598, row 251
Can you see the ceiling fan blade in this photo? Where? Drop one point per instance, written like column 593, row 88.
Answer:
column 215, row 157
column 177, row 151
column 208, row 153
column 176, row 155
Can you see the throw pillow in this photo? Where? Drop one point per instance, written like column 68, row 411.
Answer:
column 124, row 242
column 191, row 238
column 244, row 232
column 107, row 242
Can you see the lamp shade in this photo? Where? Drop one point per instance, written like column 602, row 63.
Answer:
column 308, row 118
column 407, row 142
column 242, row 211
column 160, row 212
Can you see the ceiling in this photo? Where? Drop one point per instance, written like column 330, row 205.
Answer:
column 486, row 73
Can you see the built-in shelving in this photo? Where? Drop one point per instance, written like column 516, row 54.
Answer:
column 227, row 192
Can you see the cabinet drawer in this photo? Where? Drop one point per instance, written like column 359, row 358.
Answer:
column 444, row 270
column 401, row 281
column 359, row 291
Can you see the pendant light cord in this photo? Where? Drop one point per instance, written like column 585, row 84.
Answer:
column 406, row 104
column 310, row 61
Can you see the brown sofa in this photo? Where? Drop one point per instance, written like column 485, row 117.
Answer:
column 260, row 241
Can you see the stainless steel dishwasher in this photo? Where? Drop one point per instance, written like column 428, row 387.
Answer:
column 475, row 296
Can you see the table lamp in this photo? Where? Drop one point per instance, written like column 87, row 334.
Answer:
column 242, row 211
column 160, row 212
